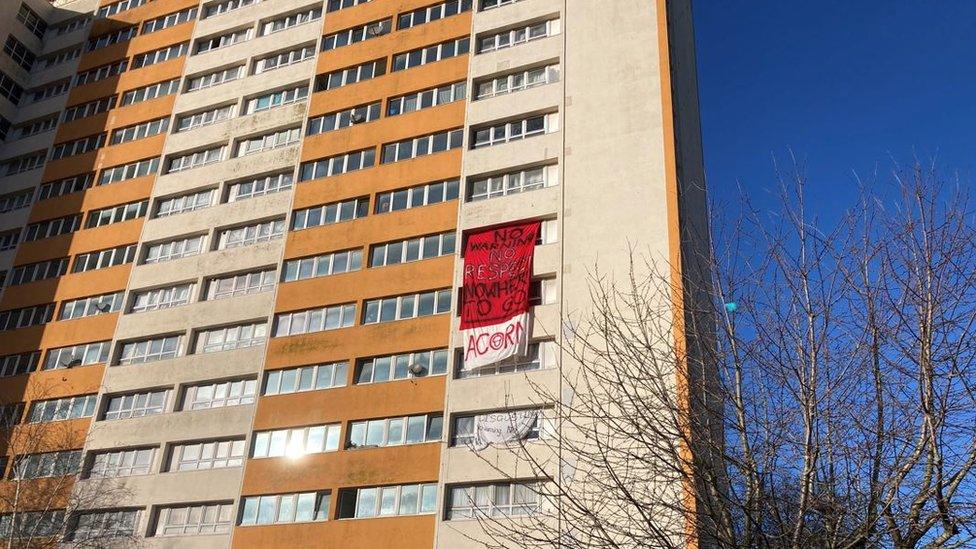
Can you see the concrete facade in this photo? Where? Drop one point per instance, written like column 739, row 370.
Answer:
column 611, row 158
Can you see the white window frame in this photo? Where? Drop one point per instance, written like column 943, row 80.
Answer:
column 381, row 369
column 319, row 319
column 406, row 307
column 174, row 249
column 303, row 268
column 142, row 351
column 166, row 297
column 135, row 405
column 247, row 283
column 305, row 378
column 228, row 338
column 296, row 442
column 246, row 235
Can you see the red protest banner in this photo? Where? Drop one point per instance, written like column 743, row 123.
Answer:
column 495, row 292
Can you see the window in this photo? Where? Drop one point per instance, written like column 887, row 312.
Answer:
column 213, row 340
column 336, row 5
column 322, row 265
column 208, row 454
column 387, row 501
column 224, row 40
column 118, row 7
column 8, row 239
column 226, row 6
column 281, row 138
column 151, row 349
column 425, row 99
column 19, row 53
column 395, row 431
column 412, row 249
column 91, row 306
column 122, row 463
column 56, row 58
column 184, row 203
column 129, row 171
column 292, row 20
column 503, row 499
column 10, row 89
column 31, row 20
column 101, row 73
column 516, row 81
column 524, row 424
column 276, row 99
column 195, row 159
column 25, row 524
column 259, row 186
column 204, row 118
column 328, row 214
column 514, row 130
column 285, row 508
column 25, row 317
column 315, row 320
column 422, row 146
column 283, row 59
column 60, row 409
column 90, row 108
column 48, row 91
column 541, row 354
column 338, row 165
column 394, row 367
column 251, row 234
column 140, row 131
column 115, row 37
column 162, row 298
column 161, row 55
column 343, row 119
column 241, row 284
column 151, row 91
column 214, row 78
column 512, row 182
column 117, row 214
column 305, row 378
column 170, row 20
column 415, row 197
column 194, row 520
column 174, row 249
column 350, row 75
column 432, row 13
column 16, row 201
column 4, row 128
column 77, row 355
column 35, row 127
column 356, row 34
column 519, row 35
column 24, row 163
column 78, row 146
column 134, row 405
column 50, row 464
column 430, row 54
column 15, row 365
column 296, row 443
column 71, row 25
column 103, row 259
column 115, row 523
column 220, row 394
column 407, row 306
column 65, row 186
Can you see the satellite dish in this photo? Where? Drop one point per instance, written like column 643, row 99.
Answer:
column 75, row 361
column 357, row 117
column 103, row 307
column 417, row 369
column 374, row 30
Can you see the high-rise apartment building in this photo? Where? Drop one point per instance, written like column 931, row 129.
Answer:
column 230, row 247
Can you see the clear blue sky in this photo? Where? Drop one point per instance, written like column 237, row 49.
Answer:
column 846, row 85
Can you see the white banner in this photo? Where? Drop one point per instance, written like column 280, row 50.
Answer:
column 502, row 427
column 486, row 345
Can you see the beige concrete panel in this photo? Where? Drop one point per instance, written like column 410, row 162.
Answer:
column 179, row 487
column 15, row 219
column 542, row 98
column 516, row 153
column 217, row 541
column 57, row 72
column 278, row 117
column 527, row 205
column 262, row 11
column 232, row 168
column 462, row 465
column 255, row 47
column 222, row 215
column 41, row 108
column 77, row 36
column 232, row 92
column 517, row 56
column 196, row 315
column 524, row 10
column 480, row 394
column 25, row 146
column 171, row 427
column 184, row 370
column 207, row 264
column 20, row 181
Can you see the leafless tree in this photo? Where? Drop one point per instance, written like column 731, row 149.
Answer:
column 822, row 393
column 41, row 498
